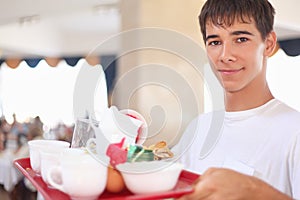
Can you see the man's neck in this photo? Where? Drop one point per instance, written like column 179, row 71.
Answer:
column 245, row 100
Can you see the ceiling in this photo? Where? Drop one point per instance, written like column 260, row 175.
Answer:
column 74, row 27
column 56, row 27
column 287, row 18
column 13, row 10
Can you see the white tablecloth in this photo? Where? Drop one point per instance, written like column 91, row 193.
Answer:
column 9, row 175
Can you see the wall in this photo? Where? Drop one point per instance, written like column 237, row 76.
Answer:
column 160, row 65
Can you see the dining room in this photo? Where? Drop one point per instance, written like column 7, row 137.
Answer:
column 152, row 56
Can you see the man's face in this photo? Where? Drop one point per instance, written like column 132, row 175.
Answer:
column 236, row 55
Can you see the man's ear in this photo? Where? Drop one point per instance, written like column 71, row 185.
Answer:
column 277, row 47
column 271, row 44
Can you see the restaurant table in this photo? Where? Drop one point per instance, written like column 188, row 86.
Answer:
column 182, row 187
column 9, row 175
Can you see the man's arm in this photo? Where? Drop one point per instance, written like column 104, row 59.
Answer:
column 220, row 183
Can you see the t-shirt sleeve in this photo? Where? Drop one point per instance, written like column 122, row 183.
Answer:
column 296, row 167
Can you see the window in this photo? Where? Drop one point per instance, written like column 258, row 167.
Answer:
column 41, row 91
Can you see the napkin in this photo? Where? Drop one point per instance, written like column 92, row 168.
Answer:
column 115, row 126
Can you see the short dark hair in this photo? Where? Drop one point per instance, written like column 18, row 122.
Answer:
column 225, row 12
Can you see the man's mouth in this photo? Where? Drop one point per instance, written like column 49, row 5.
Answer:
column 230, row 71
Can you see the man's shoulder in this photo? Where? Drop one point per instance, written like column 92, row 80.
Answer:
column 284, row 108
column 212, row 115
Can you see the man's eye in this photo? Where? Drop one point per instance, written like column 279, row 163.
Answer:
column 242, row 39
column 214, row 43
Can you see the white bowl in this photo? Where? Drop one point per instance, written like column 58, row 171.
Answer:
column 36, row 146
column 150, row 177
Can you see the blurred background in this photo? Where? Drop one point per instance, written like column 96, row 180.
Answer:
column 43, row 44
column 150, row 51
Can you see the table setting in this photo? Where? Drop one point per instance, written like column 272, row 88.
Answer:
column 106, row 160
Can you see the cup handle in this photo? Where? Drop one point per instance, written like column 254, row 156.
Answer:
column 90, row 143
column 52, row 181
column 91, row 146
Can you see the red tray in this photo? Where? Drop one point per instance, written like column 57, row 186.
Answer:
column 182, row 187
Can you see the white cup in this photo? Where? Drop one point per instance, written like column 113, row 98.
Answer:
column 143, row 130
column 115, row 125
column 50, row 157
column 36, row 146
column 82, row 177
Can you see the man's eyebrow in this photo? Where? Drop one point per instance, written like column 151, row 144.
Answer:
column 241, row 33
column 211, row 37
column 233, row 33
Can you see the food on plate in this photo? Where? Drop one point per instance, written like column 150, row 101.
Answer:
column 146, row 156
column 136, row 153
column 115, row 182
column 162, row 153
column 158, row 151
column 161, row 150
column 158, row 145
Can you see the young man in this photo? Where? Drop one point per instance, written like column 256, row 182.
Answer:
column 257, row 134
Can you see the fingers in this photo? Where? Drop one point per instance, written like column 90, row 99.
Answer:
column 204, row 186
column 200, row 191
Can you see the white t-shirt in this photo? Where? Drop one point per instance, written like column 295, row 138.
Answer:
column 264, row 142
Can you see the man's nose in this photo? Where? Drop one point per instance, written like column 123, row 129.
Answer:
column 227, row 53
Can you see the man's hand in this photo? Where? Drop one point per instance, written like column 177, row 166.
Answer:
column 222, row 184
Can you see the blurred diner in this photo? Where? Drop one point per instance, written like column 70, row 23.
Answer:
column 14, row 139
